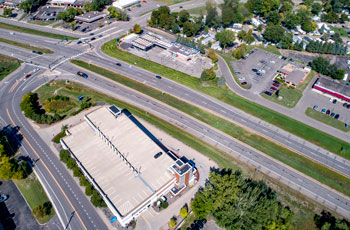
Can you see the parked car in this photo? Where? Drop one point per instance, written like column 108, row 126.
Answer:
column 259, row 74
column 159, row 77
column 328, row 112
column 81, row 74
column 276, row 85
column 277, row 82
column 158, row 155
column 336, row 116
column 345, row 104
column 315, row 106
column 273, row 88
column 332, row 114
column 334, row 101
column 348, row 106
column 244, row 83
column 118, row 64
column 3, row 198
column 255, row 70
column 323, row 110
column 268, row 93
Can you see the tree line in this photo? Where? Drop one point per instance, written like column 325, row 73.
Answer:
column 236, row 202
column 323, row 66
column 95, row 198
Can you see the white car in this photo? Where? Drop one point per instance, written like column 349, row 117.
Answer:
column 3, row 198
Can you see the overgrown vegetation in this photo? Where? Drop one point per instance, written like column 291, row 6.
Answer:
column 224, row 94
column 323, row 66
column 237, row 202
column 95, row 198
column 7, row 65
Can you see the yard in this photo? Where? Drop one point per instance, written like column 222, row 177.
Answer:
column 34, row 194
column 289, row 96
column 317, row 115
column 7, row 65
column 224, row 94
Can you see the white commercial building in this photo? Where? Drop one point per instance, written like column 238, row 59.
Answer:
column 122, row 4
column 126, row 164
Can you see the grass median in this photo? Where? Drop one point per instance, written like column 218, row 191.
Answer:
column 317, row 115
column 26, row 46
column 35, row 195
column 35, row 32
column 224, row 94
column 7, row 65
column 284, row 155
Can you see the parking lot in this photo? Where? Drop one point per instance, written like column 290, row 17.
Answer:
column 46, row 13
column 325, row 102
column 258, row 69
column 15, row 213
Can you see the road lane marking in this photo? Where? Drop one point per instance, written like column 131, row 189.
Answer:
column 64, row 194
column 149, row 225
column 13, row 87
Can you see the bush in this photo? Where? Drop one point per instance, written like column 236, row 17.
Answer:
column 83, row 181
column 88, row 190
column 42, row 210
column 183, row 212
column 76, row 171
column 97, row 200
column 164, row 205
column 64, row 156
column 71, row 163
column 172, row 222
column 208, row 75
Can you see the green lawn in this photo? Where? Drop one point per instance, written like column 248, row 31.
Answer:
column 269, row 48
column 198, row 10
column 58, row 24
column 291, row 96
column 317, row 115
column 35, row 32
column 7, row 65
column 284, row 155
column 235, row 77
column 26, row 46
column 341, row 31
column 34, row 194
column 41, row 23
column 224, row 94
column 171, row 2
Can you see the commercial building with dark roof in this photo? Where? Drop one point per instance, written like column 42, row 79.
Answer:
column 334, row 88
column 125, row 162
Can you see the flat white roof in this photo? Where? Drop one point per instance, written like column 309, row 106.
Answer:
column 123, row 186
column 125, row 3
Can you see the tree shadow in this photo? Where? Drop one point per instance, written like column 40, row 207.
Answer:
column 11, row 138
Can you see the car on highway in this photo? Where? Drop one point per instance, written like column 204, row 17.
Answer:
column 237, row 72
column 3, row 198
column 336, row 116
column 323, row 110
column 27, row 76
column 118, row 64
column 315, row 106
column 91, row 34
column 328, row 112
column 158, row 155
column 158, row 77
column 93, row 38
column 81, row 74
column 78, row 42
column 37, row 52
column 100, row 36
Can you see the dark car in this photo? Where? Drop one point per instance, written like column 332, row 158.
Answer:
column 100, row 36
column 273, row 88
column 159, row 77
column 276, row 85
column 334, row 101
column 259, row 74
column 276, row 82
column 345, row 104
column 348, row 106
column 118, row 64
column 78, row 42
column 244, row 83
column 336, row 116
column 332, row 114
column 81, row 74
column 328, row 112
column 93, row 38
column 237, row 72
column 255, row 70
column 28, row 76
column 268, row 93
column 91, row 34
column 158, row 155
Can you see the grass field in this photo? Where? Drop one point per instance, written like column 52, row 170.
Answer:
column 291, row 96
column 7, row 65
column 26, row 46
column 317, row 115
column 284, row 155
column 35, row 32
column 304, row 209
column 269, row 48
column 41, row 23
column 224, row 94
column 34, row 194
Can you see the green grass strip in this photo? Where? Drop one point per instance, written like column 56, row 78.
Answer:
column 284, row 155
column 26, row 46
column 34, row 194
column 8, row 64
column 35, row 32
column 224, row 94
column 328, row 120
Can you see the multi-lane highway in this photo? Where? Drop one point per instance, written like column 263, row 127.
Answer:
column 71, row 204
